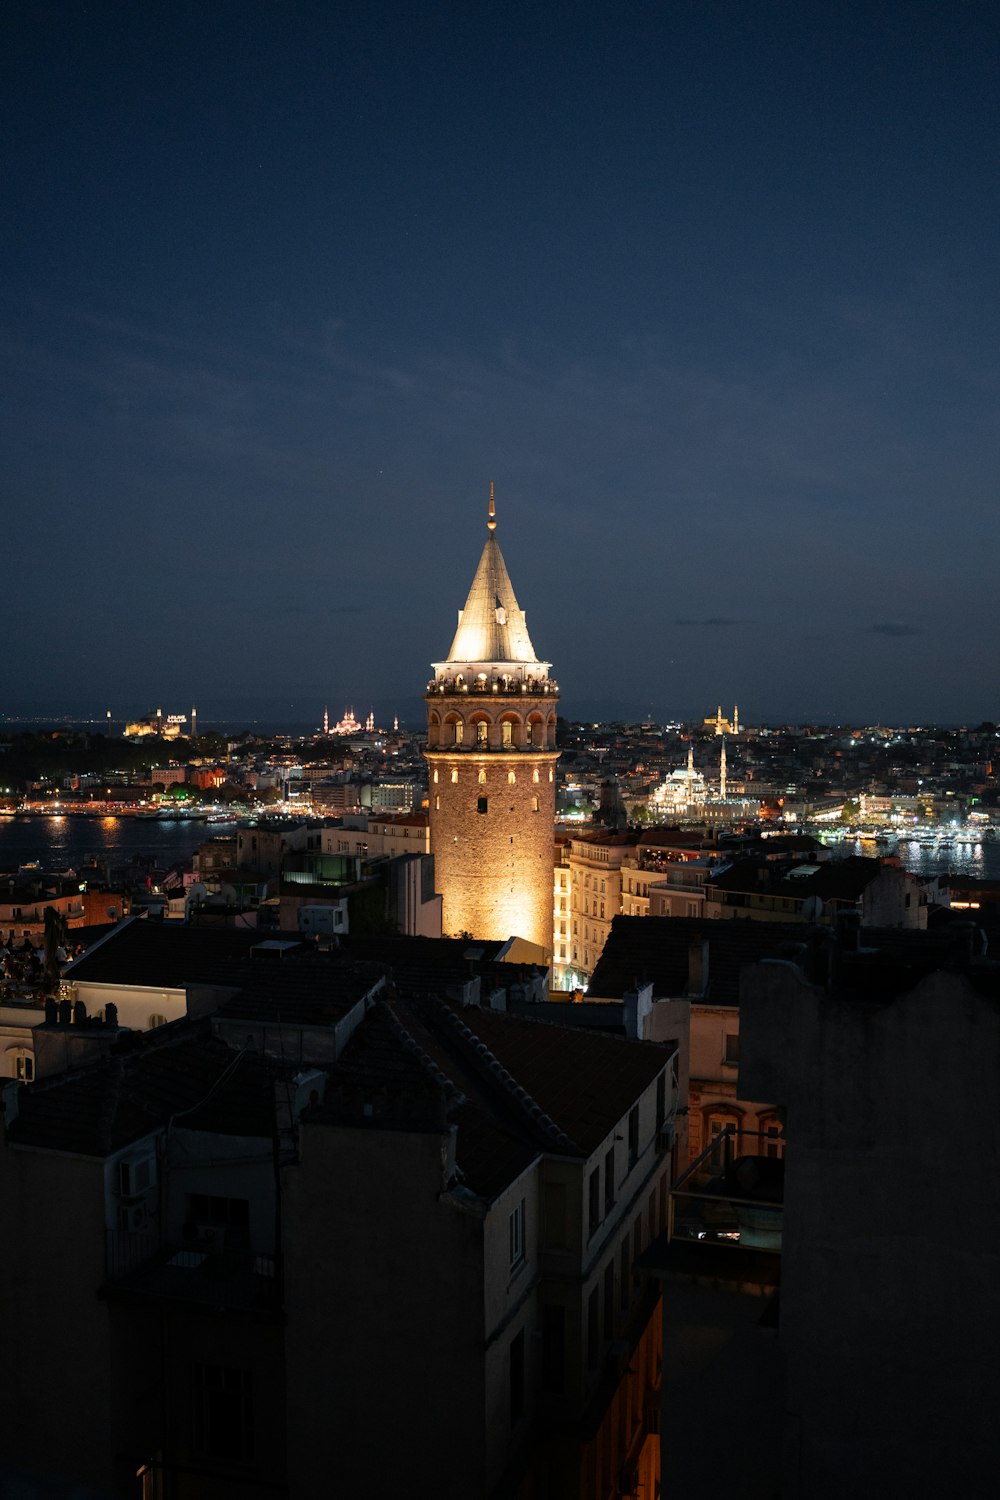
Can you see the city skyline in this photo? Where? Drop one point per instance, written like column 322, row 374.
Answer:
column 707, row 294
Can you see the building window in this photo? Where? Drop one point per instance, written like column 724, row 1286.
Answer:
column 517, row 1377
column 609, row 1300
column 553, row 1347
column 550, row 775
column 732, row 1054
column 633, row 1137
column 459, row 732
column 482, row 732
column 609, row 1180
column 24, row 1066
column 454, row 778
column 594, row 1328
column 534, row 775
column 594, row 1198
column 507, row 733
column 534, row 804
column 156, row 1020
column 528, row 735
column 516, row 1235
column 437, row 803
column 482, row 778
column 481, row 804
column 223, row 1412
column 511, row 778
column 435, row 778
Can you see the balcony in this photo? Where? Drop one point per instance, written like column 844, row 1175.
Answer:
column 140, row 1263
column 730, row 1202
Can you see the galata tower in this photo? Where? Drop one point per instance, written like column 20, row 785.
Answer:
column 491, row 752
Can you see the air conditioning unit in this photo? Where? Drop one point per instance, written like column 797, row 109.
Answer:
column 136, row 1177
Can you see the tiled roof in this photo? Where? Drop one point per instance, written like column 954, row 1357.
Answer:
column 514, row 1087
column 178, row 1072
column 160, row 954
column 317, row 989
column 640, row 949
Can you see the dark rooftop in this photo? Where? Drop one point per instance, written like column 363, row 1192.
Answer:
column 162, row 955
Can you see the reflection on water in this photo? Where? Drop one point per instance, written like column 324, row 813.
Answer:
column 61, row 843
column 927, row 857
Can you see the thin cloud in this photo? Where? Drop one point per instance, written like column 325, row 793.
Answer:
column 719, row 621
column 891, row 628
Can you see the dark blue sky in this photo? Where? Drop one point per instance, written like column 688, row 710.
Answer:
column 709, row 290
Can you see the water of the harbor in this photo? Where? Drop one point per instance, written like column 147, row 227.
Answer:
column 66, row 843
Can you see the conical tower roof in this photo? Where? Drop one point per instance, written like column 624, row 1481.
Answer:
column 491, row 627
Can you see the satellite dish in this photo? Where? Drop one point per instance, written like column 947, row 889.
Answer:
column 812, row 908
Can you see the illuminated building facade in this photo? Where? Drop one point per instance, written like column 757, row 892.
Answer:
column 491, row 753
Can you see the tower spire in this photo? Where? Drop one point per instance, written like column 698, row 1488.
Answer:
column 491, row 524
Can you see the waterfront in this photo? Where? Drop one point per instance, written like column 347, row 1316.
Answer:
column 60, row 843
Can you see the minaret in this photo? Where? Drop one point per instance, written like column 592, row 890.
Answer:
column 718, row 719
column 736, row 718
column 722, row 771
column 194, row 722
column 326, row 720
column 491, row 753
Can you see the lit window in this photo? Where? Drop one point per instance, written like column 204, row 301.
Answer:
column 528, row 732
column 550, row 775
column 454, row 778
column 435, row 777
column 459, row 732
column 534, row 804
column 482, row 731
column 437, row 804
column 482, row 778
column 511, row 777
column 507, row 732
column 24, row 1066
column 534, row 775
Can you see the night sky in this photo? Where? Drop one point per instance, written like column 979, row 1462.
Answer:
column 709, row 290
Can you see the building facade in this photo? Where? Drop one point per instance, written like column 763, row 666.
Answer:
column 491, row 753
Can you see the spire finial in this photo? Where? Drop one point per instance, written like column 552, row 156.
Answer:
column 491, row 524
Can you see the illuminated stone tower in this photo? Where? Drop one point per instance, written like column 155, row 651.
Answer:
column 491, row 752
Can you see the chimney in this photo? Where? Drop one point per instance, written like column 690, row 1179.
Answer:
column 65, row 1012
column 111, row 1015
column 51, row 1011
column 697, row 986
column 79, row 1014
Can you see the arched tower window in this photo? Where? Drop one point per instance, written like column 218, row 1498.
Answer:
column 511, row 777
column 534, row 776
column 482, row 778
column 482, row 732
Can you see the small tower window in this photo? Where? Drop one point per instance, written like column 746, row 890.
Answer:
column 437, row 804
column 534, row 775
column 511, row 777
column 481, row 804
column 550, row 774
column 482, row 732
column 528, row 731
column 534, row 804
column 482, row 778
column 507, row 732
column 436, row 777
column 454, row 778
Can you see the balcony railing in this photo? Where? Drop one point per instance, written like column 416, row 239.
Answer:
column 729, row 1199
